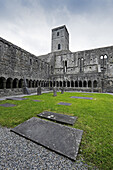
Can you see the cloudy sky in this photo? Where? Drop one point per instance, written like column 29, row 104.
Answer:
column 28, row 23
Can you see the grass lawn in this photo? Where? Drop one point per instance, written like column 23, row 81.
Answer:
column 95, row 118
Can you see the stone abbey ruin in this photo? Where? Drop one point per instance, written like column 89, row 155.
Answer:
column 89, row 70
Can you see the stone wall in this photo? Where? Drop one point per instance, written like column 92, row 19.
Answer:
column 90, row 69
column 18, row 66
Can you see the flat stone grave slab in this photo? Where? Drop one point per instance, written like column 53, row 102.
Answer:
column 88, row 94
column 56, row 137
column 15, row 98
column 75, row 97
column 61, row 118
column 7, row 105
column 66, row 104
column 37, row 100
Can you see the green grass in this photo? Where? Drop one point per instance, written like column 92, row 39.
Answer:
column 95, row 118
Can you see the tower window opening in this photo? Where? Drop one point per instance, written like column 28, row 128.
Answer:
column 57, row 33
column 66, row 64
column 59, row 46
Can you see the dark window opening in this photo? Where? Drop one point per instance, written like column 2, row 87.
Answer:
column 89, row 83
column 65, row 66
column 51, row 84
column 84, row 84
column 76, row 84
column 68, row 83
column 64, row 84
column 9, row 83
column 80, row 83
column 31, row 61
column 59, row 46
column 72, row 84
column 57, row 33
column 95, row 84
column 60, row 83
column 15, row 83
column 2, row 82
column 65, row 63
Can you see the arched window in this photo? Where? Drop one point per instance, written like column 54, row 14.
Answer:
column 95, row 84
column 59, row 46
column 89, row 83
column 84, row 84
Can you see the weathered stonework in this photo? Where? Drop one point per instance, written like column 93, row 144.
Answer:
column 16, row 65
column 89, row 70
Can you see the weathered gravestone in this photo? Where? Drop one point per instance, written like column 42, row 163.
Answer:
column 54, row 91
column 76, row 97
column 62, row 90
column 60, row 118
column 65, row 104
column 37, row 100
column 39, row 91
column 15, row 98
column 59, row 138
column 7, row 105
column 25, row 88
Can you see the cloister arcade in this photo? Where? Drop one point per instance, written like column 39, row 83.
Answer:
column 10, row 83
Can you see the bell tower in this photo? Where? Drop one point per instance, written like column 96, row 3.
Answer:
column 60, row 39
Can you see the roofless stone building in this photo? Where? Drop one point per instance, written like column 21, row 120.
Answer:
column 89, row 70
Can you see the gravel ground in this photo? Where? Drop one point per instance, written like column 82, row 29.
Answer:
column 19, row 153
